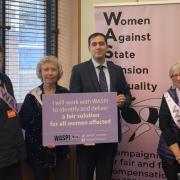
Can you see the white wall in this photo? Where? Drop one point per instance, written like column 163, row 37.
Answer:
column 87, row 21
column 68, row 36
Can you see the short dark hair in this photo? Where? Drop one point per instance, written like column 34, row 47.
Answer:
column 94, row 35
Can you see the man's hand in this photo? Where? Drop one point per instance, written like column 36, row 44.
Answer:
column 120, row 99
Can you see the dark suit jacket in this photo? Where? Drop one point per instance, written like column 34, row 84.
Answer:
column 84, row 79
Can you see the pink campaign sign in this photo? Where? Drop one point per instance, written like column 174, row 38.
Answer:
column 79, row 118
column 144, row 40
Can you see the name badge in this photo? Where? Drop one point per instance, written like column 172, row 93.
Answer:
column 11, row 113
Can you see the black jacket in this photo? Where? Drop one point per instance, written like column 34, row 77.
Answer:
column 170, row 132
column 84, row 79
column 12, row 147
column 31, row 120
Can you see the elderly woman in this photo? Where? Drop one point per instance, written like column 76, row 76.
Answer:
column 168, row 148
column 43, row 160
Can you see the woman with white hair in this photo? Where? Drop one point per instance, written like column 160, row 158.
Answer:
column 51, row 159
column 169, row 123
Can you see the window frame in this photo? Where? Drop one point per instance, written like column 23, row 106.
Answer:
column 50, row 43
column 51, row 30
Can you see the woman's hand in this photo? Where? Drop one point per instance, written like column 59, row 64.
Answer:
column 176, row 151
column 50, row 146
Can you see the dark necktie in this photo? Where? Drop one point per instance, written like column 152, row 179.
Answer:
column 102, row 79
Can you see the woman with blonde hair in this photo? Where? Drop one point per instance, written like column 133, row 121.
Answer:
column 51, row 159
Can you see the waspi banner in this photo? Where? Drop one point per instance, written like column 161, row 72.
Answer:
column 144, row 39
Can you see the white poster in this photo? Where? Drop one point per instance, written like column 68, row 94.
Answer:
column 145, row 40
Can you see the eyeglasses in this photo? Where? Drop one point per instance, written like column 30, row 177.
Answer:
column 175, row 76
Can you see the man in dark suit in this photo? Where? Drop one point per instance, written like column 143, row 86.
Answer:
column 97, row 75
